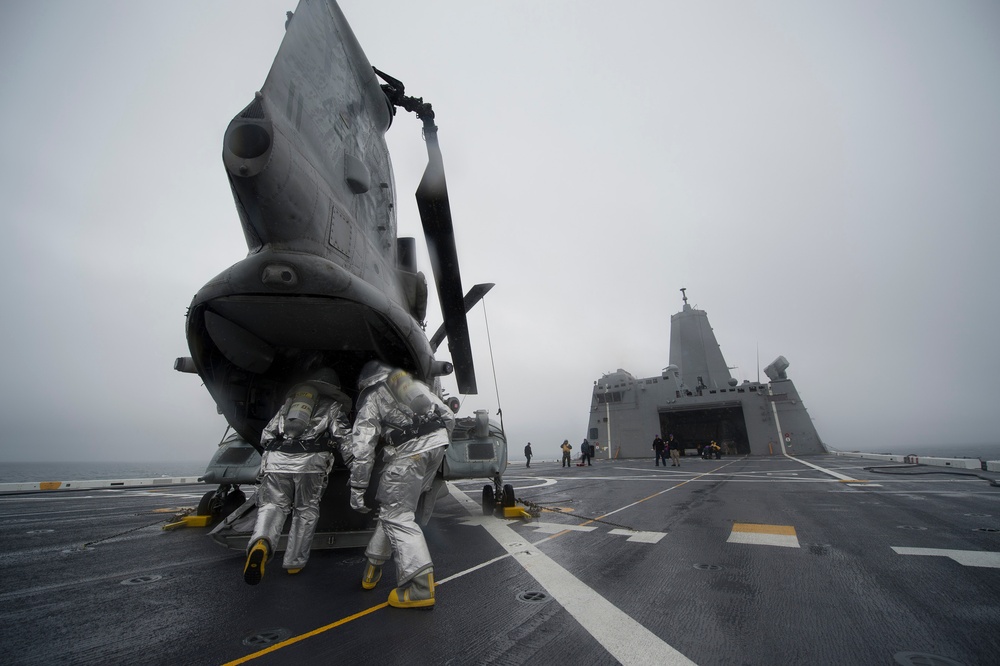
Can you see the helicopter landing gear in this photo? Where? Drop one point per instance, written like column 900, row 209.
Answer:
column 508, row 496
column 499, row 500
column 497, row 496
column 489, row 501
column 218, row 504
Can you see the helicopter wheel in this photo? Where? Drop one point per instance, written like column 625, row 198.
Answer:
column 234, row 500
column 489, row 501
column 219, row 505
column 205, row 504
column 508, row 495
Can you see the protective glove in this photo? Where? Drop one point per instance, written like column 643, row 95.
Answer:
column 358, row 500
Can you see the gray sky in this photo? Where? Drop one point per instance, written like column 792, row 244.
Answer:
column 823, row 178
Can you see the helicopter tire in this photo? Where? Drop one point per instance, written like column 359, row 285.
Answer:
column 205, row 504
column 489, row 500
column 233, row 501
column 508, row 495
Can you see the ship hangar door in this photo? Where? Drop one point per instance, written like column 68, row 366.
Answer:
column 700, row 425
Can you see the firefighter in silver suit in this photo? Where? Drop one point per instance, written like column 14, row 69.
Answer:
column 298, row 448
column 416, row 427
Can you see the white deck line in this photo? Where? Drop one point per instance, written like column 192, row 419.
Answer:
column 967, row 558
column 762, row 539
column 625, row 639
column 837, row 475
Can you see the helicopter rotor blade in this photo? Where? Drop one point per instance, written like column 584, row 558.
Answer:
column 435, row 216
column 475, row 295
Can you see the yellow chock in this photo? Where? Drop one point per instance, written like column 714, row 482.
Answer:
column 516, row 512
column 189, row 521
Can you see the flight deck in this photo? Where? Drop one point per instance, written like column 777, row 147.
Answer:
column 741, row 560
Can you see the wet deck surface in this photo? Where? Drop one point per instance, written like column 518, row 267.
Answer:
column 738, row 561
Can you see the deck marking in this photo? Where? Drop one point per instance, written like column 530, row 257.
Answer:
column 639, row 536
column 556, row 528
column 657, row 494
column 635, row 503
column 351, row 618
column 837, row 475
column 308, row 634
column 764, row 535
column 544, row 482
column 967, row 558
column 482, row 565
column 625, row 639
column 631, row 651
column 670, row 476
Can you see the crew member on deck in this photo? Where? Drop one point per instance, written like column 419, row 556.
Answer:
column 416, row 426
column 298, row 448
column 658, row 447
column 675, row 451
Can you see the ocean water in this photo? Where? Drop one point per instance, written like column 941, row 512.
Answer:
column 20, row 472
column 981, row 451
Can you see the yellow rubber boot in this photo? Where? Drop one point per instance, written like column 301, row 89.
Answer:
column 372, row 575
column 418, row 594
column 253, row 571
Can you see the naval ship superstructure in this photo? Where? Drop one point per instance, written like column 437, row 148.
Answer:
column 697, row 400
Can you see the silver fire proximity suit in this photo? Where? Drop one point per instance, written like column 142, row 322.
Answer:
column 415, row 447
column 294, row 469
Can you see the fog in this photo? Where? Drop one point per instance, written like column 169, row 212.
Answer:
column 820, row 177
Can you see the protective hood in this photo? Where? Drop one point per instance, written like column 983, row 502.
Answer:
column 327, row 383
column 372, row 373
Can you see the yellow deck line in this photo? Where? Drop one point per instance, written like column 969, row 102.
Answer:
column 332, row 625
column 301, row 637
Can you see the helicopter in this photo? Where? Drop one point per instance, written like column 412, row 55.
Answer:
column 326, row 281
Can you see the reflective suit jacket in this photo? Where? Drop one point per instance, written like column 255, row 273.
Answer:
column 380, row 413
column 310, row 452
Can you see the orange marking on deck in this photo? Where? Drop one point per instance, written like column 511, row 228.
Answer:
column 787, row 530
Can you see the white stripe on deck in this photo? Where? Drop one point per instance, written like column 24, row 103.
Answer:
column 556, row 528
column 967, row 558
column 639, row 536
column 764, row 535
column 763, row 539
column 836, row 475
column 625, row 639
